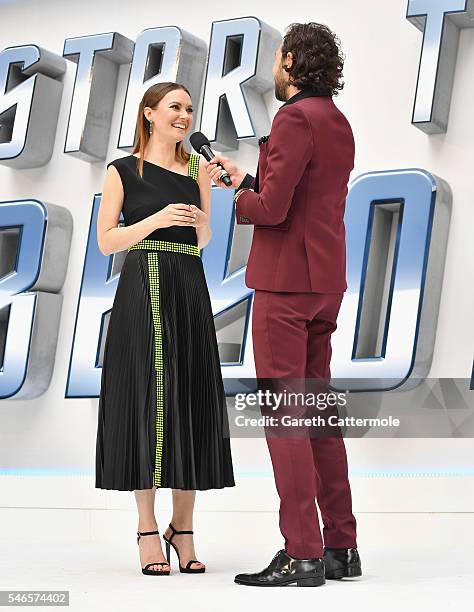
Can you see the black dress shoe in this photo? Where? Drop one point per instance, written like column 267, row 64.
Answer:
column 342, row 563
column 285, row 570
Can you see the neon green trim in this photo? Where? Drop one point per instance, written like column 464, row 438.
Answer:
column 154, row 278
column 163, row 245
column 193, row 166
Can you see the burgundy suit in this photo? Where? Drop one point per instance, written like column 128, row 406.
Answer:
column 297, row 266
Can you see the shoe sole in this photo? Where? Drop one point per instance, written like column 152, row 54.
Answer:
column 301, row 582
column 344, row 572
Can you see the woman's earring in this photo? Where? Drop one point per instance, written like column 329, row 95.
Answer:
column 151, row 126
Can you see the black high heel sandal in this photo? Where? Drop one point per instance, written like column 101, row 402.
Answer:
column 145, row 570
column 184, row 570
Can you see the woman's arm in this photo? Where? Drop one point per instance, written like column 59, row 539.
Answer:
column 111, row 238
column 203, row 229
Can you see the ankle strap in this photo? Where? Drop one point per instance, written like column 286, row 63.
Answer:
column 176, row 532
column 142, row 533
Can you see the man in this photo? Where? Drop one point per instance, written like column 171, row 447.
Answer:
column 297, row 268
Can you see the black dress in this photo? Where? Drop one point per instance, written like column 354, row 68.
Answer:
column 162, row 412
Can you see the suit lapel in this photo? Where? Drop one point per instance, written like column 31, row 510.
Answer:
column 262, row 148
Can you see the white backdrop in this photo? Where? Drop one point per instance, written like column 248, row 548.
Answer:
column 42, row 437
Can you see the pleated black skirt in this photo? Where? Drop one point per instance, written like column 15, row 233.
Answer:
column 162, row 417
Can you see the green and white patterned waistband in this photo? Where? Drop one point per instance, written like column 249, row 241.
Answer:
column 163, row 245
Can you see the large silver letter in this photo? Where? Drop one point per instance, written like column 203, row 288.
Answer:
column 34, row 250
column 440, row 21
column 239, row 72
column 30, row 95
column 161, row 54
column 98, row 59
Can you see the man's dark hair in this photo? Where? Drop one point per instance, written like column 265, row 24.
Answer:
column 318, row 60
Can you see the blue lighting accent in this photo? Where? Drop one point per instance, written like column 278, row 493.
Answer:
column 257, row 473
column 44, row 472
column 373, row 473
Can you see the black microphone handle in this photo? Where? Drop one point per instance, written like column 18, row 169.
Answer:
column 207, row 153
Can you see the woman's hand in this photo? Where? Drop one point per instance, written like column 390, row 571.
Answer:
column 201, row 218
column 203, row 229
column 175, row 214
column 236, row 175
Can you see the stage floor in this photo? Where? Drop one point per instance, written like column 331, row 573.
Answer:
column 44, row 549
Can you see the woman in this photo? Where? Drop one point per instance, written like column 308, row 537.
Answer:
column 162, row 412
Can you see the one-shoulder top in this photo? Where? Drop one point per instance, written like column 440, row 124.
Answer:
column 158, row 188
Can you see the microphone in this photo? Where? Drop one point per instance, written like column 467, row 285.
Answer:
column 201, row 144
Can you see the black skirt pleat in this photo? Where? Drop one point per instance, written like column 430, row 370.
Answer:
column 195, row 451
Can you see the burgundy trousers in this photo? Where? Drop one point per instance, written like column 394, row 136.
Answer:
column 292, row 339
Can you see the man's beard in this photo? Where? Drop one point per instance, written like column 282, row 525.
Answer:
column 280, row 91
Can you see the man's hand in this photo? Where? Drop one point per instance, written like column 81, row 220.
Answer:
column 235, row 173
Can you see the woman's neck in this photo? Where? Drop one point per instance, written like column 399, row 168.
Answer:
column 161, row 153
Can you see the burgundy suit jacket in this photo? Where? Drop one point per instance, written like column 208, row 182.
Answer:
column 298, row 200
